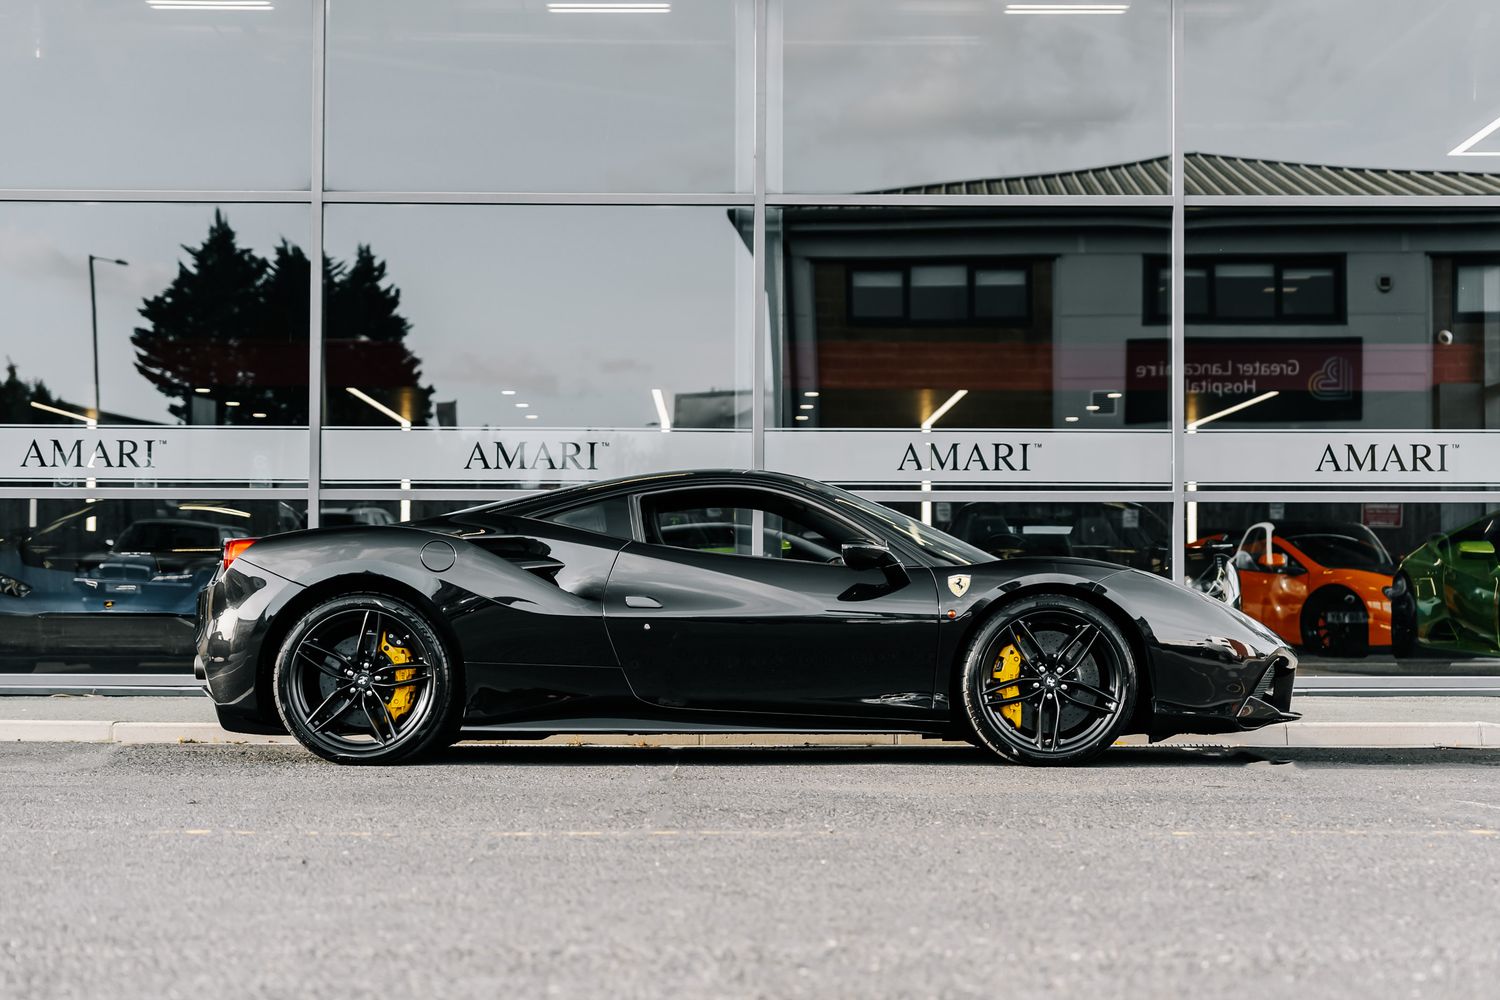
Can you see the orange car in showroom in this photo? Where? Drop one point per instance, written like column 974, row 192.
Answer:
column 1319, row 586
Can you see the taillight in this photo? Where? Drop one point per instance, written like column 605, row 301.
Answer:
column 234, row 548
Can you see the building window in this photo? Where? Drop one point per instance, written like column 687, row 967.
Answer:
column 1265, row 290
column 1476, row 291
column 939, row 294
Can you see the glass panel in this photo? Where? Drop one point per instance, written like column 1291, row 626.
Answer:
column 1309, row 291
column 1137, row 535
column 969, row 98
column 1000, row 293
column 174, row 318
column 1478, row 290
column 1369, row 587
column 151, row 96
column 1052, row 329
column 940, row 293
column 1378, row 323
column 1340, row 97
column 876, row 294
column 491, row 328
column 1244, row 291
column 450, row 95
column 112, row 585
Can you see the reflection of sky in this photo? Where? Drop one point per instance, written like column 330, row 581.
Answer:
column 114, row 94
column 1371, row 83
column 581, row 310
column 44, row 287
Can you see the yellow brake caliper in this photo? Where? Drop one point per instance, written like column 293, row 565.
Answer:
column 1008, row 668
column 401, row 697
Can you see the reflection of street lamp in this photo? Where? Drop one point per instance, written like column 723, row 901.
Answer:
column 94, row 323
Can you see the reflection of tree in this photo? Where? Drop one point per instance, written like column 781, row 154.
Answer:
column 16, row 397
column 364, row 346
column 236, row 324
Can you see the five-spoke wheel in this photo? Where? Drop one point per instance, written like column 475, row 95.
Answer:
column 1049, row 680
column 364, row 679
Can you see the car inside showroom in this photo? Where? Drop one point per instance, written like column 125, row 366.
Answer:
column 1097, row 286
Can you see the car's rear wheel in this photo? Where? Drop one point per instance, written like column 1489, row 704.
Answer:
column 364, row 679
column 1049, row 680
column 1335, row 622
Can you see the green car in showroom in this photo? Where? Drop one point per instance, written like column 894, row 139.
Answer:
column 1446, row 594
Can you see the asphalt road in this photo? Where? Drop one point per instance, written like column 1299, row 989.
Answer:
column 195, row 871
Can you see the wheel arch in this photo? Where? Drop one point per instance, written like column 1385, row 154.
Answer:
column 1334, row 590
column 339, row 586
column 1089, row 593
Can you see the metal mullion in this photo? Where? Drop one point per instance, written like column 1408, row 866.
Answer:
column 1008, row 496
column 758, row 255
column 1448, row 201
column 473, row 495
column 207, row 490
column 1287, row 494
column 1177, row 352
column 974, row 200
column 532, row 198
column 191, row 196
column 315, row 277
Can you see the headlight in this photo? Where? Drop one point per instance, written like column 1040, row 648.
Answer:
column 11, row 587
column 1396, row 589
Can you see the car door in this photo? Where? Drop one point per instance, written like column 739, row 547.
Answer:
column 737, row 599
column 1470, row 583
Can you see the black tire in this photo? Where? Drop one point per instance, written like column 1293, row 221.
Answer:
column 337, row 666
column 1404, row 620
column 1335, row 622
column 1078, row 703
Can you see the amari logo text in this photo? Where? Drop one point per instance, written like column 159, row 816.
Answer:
column 87, row 453
column 528, row 456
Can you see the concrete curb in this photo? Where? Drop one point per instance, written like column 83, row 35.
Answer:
column 1391, row 735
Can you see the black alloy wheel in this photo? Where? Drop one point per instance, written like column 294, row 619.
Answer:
column 1335, row 622
column 1049, row 680
column 364, row 679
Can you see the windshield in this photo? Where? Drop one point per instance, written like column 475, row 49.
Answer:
column 1346, row 549
column 938, row 544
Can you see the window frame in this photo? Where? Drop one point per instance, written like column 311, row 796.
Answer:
column 971, row 265
column 1461, row 261
column 1153, row 315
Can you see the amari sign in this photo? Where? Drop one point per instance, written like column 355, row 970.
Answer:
column 974, row 458
column 1304, row 458
column 119, row 455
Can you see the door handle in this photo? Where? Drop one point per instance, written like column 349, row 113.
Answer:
column 641, row 601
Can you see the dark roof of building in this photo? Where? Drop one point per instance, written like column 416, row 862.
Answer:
column 1209, row 174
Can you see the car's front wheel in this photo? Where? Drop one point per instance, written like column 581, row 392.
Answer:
column 1049, row 679
column 364, row 679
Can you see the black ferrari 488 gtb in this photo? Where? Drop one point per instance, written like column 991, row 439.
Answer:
column 712, row 602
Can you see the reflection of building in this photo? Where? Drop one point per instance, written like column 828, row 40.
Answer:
column 1344, row 318
column 717, row 408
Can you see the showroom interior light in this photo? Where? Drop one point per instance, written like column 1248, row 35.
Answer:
column 1193, row 425
column 663, row 418
column 377, row 404
column 948, row 404
column 609, row 8
column 207, row 508
column 1066, row 8
column 1466, row 148
column 66, row 413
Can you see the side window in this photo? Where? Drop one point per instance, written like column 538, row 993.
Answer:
column 724, row 521
column 610, row 516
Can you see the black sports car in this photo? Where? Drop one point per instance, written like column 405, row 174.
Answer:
column 712, row 602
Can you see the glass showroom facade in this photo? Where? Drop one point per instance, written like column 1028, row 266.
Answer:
column 1170, row 284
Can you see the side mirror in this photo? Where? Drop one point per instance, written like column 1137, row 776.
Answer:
column 867, row 555
column 1476, row 550
column 1274, row 560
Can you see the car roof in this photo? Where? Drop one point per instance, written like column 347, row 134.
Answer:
column 632, row 484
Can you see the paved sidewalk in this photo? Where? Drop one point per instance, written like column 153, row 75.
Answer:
column 1327, row 722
